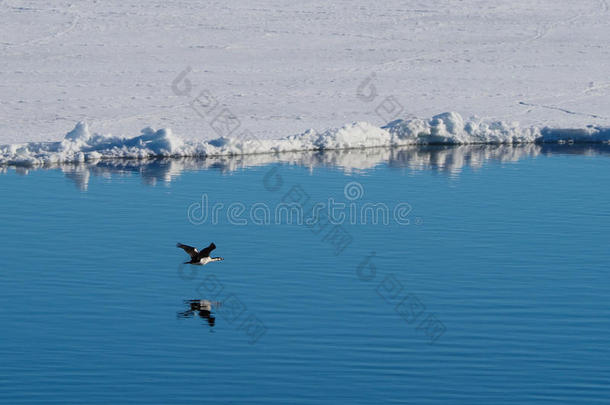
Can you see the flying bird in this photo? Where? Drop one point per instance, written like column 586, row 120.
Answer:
column 198, row 257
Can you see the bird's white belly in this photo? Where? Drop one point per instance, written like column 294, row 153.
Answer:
column 204, row 260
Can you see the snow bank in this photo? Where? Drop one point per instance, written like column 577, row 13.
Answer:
column 80, row 145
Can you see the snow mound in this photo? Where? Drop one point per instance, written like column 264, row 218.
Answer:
column 451, row 128
column 80, row 145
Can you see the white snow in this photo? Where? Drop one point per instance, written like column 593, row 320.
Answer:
column 79, row 145
column 281, row 67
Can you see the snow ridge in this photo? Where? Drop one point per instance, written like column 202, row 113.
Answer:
column 80, row 145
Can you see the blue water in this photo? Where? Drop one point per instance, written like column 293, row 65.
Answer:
column 496, row 291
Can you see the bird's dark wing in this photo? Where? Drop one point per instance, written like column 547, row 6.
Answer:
column 206, row 251
column 189, row 249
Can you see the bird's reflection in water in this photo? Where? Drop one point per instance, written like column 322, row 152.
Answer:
column 201, row 308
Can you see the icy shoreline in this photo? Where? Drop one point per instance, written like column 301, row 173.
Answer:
column 80, row 145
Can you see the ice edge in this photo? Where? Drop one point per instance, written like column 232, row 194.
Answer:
column 80, row 145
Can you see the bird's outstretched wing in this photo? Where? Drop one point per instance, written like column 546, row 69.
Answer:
column 194, row 253
column 206, row 251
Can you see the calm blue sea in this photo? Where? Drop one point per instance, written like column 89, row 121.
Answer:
column 484, row 281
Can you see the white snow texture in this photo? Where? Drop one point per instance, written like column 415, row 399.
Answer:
column 281, row 67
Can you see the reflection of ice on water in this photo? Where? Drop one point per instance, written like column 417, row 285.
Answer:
column 446, row 159
column 454, row 159
column 80, row 176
